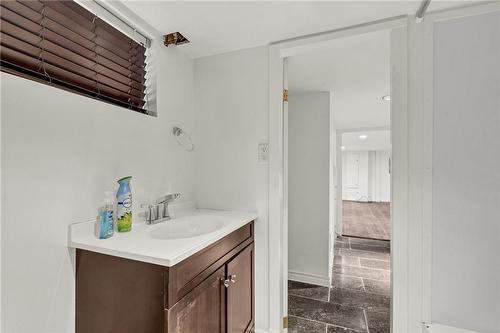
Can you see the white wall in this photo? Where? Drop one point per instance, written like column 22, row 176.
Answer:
column 231, row 120
column 466, row 174
column 365, row 176
column 60, row 151
column 308, row 187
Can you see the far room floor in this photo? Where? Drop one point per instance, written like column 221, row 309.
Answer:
column 366, row 219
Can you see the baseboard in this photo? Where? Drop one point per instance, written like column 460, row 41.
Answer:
column 318, row 280
column 438, row 328
column 260, row 330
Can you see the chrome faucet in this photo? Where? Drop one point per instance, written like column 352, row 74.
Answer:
column 158, row 212
column 163, row 202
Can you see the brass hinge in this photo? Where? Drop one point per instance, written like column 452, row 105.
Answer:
column 285, row 322
column 285, row 95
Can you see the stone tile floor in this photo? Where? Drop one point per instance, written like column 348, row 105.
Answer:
column 358, row 300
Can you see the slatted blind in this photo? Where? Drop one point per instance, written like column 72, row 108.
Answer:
column 63, row 44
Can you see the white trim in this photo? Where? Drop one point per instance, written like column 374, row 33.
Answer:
column 319, row 280
column 428, row 125
column 415, row 164
column 438, row 328
column 340, row 207
column 1, row 200
column 399, row 182
column 332, row 189
column 103, row 11
column 278, row 246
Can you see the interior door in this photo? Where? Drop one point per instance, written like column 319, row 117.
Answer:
column 240, row 292
column 202, row 310
column 352, row 176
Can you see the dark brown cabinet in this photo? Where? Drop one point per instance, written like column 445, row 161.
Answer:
column 210, row 292
column 240, row 293
column 202, row 310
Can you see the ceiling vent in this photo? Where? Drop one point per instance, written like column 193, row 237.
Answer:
column 174, row 38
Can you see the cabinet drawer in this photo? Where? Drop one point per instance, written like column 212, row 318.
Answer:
column 183, row 277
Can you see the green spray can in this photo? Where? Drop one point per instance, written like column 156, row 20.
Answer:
column 124, row 205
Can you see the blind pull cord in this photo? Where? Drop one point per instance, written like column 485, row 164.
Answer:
column 130, row 104
column 94, row 26
column 42, row 44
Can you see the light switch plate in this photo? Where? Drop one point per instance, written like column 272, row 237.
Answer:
column 263, row 155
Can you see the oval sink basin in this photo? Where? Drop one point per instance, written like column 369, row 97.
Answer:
column 187, row 228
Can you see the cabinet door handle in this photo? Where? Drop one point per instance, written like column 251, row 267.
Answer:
column 230, row 280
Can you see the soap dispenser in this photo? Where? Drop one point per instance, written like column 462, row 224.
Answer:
column 105, row 217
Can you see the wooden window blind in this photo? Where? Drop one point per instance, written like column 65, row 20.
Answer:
column 63, row 44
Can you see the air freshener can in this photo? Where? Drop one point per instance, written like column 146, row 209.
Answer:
column 124, row 205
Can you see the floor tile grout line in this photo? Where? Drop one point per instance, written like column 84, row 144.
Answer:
column 346, row 288
column 365, row 258
column 375, row 269
column 359, row 307
column 311, row 320
column 366, row 321
column 309, row 298
column 362, row 277
column 346, row 255
column 375, row 259
column 318, row 300
column 322, row 322
column 378, row 269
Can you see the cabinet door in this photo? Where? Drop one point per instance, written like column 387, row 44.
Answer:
column 240, row 293
column 202, row 310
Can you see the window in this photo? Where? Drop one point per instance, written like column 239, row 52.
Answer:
column 63, row 44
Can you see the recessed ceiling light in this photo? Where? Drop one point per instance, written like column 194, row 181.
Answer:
column 363, row 136
column 342, row 147
column 386, row 97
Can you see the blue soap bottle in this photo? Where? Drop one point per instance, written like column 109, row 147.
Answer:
column 105, row 217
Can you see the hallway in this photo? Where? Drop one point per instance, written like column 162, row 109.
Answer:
column 359, row 299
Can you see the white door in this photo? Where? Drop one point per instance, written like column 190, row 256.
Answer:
column 285, row 190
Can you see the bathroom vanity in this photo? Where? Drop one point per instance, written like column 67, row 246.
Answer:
column 144, row 283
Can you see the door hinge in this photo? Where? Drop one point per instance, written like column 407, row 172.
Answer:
column 285, row 95
column 285, row 322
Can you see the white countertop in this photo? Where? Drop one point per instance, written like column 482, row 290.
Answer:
column 138, row 244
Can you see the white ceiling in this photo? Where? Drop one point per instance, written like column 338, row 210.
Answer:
column 218, row 27
column 376, row 140
column 357, row 72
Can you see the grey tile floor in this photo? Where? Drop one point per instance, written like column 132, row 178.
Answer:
column 358, row 300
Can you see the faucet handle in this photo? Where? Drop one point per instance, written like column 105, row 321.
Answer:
column 152, row 213
column 168, row 198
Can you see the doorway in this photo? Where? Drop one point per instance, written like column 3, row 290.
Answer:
column 338, row 282
column 366, row 184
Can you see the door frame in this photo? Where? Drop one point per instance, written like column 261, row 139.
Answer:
column 411, row 186
column 427, row 97
column 278, row 205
